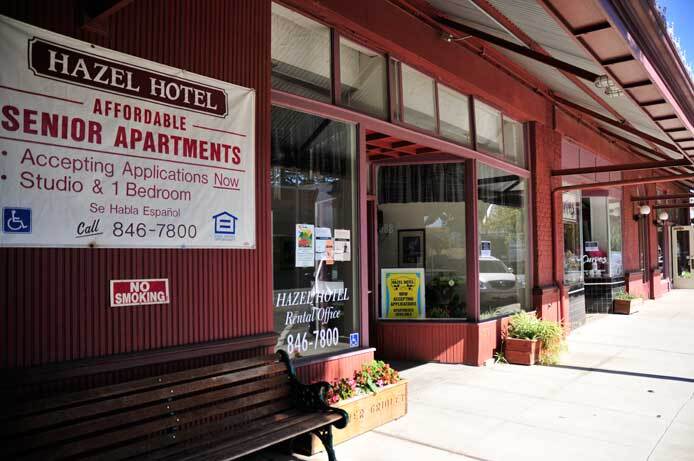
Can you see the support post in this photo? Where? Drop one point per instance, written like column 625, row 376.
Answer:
column 472, row 241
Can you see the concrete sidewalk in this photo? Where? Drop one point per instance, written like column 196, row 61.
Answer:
column 623, row 391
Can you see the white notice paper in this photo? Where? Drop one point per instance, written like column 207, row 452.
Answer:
column 323, row 234
column 343, row 251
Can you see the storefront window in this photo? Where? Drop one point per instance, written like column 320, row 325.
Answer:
column 314, row 260
column 602, row 235
column 488, row 128
column 454, row 112
column 503, row 233
column 363, row 79
column 421, row 216
column 418, row 98
column 573, row 252
column 300, row 55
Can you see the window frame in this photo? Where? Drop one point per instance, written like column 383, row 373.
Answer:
column 336, row 38
column 468, row 153
column 469, row 116
column 395, row 103
column 331, row 32
column 357, row 246
column 529, row 222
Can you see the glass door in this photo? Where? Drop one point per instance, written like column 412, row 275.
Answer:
column 683, row 256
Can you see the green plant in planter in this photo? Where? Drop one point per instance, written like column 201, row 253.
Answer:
column 624, row 296
column 372, row 376
column 687, row 275
column 551, row 334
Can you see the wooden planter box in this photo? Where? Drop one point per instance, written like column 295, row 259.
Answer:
column 366, row 412
column 522, row 351
column 627, row 307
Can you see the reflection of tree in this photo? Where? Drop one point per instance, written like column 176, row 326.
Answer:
column 500, row 221
column 294, row 177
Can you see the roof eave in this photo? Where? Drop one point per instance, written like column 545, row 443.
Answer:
column 640, row 25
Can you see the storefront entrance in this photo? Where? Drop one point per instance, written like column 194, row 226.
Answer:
column 683, row 256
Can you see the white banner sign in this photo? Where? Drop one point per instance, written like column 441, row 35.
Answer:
column 99, row 148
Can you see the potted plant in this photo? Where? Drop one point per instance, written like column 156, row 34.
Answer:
column 372, row 397
column 530, row 340
column 626, row 303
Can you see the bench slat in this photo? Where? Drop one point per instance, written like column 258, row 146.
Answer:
column 102, row 441
column 161, row 409
column 123, row 403
column 248, row 431
column 53, row 403
column 279, row 407
column 273, row 435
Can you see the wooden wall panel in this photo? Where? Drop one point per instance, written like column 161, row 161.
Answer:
column 54, row 302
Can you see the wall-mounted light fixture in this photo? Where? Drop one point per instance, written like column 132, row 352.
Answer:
column 662, row 218
column 641, row 212
column 613, row 92
column 603, row 81
column 446, row 37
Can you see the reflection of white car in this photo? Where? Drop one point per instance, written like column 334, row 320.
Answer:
column 498, row 284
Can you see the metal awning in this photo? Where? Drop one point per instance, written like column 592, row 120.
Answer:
column 585, row 35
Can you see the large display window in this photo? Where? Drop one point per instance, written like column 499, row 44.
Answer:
column 314, row 250
column 503, row 233
column 421, row 243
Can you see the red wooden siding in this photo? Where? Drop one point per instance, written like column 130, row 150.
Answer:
column 54, row 302
column 332, row 369
column 469, row 343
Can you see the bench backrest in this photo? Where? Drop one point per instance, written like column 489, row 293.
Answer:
column 135, row 417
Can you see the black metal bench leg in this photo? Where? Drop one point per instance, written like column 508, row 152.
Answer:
column 325, row 434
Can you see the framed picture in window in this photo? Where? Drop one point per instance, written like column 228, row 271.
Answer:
column 411, row 247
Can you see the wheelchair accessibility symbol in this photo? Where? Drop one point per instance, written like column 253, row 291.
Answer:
column 16, row 220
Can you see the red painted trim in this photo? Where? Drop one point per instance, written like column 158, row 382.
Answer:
column 645, row 198
column 436, row 109
column 472, row 241
column 332, row 368
column 336, row 87
column 362, row 167
column 625, row 182
column 390, row 78
column 338, row 113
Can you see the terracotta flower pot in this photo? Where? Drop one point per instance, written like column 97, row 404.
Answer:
column 627, row 306
column 522, row 351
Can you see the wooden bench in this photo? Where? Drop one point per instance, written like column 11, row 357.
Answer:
column 217, row 412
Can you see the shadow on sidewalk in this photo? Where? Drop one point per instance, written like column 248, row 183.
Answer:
column 627, row 373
